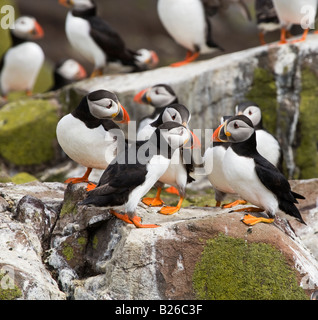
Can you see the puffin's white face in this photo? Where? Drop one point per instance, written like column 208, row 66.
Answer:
column 104, row 108
column 176, row 137
column 254, row 113
column 171, row 114
column 237, row 130
column 27, row 28
column 159, row 96
column 71, row 70
column 146, row 58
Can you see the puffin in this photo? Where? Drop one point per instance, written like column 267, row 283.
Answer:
column 253, row 177
column 22, row 62
column 123, row 183
column 188, row 23
column 178, row 172
column 267, row 144
column 89, row 134
column 66, row 72
column 213, row 164
column 159, row 97
column 98, row 42
column 299, row 12
column 266, row 18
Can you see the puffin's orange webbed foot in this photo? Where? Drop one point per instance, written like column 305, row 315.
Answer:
column 234, row 203
column 172, row 190
column 154, row 202
column 191, row 56
column 137, row 222
column 123, row 217
column 82, row 179
column 251, row 220
column 171, row 210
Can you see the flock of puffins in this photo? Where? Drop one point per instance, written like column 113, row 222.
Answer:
column 244, row 159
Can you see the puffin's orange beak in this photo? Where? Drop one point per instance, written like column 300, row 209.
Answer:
column 196, row 144
column 66, row 3
column 154, row 59
column 81, row 74
column 37, row 32
column 126, row 117
column 141, row 97
column 215, row 136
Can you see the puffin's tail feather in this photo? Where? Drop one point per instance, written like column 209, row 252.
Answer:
column 290, row 209
column 297, row 195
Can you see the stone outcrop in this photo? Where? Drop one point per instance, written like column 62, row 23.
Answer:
column 54, row 248
column 281, row 79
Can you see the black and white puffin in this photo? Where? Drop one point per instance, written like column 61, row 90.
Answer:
column 98, row 42
column 89, row 136
column 187, row 22
column 266, row 18
column 178, row 172
column 22, row 63
column 267, row 144
column 253, row 177
column 213, row 165
column 298, row 12
column 123, row 184
column 158, row 96
column 66, row 72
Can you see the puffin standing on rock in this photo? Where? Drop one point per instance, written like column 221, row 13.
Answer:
column 89, row 136
column 98, row 42
column 123, row 184
column 22, row 63
column 158, row 96
column 178, row 172
column 253, row 177
column 299, row 12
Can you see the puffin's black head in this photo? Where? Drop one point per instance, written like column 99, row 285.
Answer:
column 252, row 111
column 236, row 129
column 159, row 96
column 104, row 104
column 176, row 112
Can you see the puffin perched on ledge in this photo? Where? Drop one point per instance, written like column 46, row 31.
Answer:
column 89, row 136
column 22, row 63
column 253, row 177
column 123, row 184
column 98, row 42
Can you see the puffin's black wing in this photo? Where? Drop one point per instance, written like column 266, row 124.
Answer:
column 110, row 41
column 265, row 11
column 274, row 181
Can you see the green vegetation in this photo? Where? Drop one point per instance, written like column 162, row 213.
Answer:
column 233, row 269
column 8, row 293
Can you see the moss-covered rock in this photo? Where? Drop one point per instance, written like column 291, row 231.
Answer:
column 8, row 290
column 232, row 268
column 307, row 151
column 27, row 132
column 23, row 177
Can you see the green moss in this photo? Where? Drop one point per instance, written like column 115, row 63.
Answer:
column 68, row 252
column 8, row 293
column 232, row 269
column 68, row 207
column 95, row 242
column 263, row 92
column 23, row 177
column 27, row 131
column 82, row 241
column 307, row 153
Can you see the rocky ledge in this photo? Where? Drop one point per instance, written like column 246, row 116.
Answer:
column 53, row 248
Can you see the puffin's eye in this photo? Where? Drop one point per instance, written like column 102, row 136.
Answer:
column 174, row 117
column 250, row 112
column 110, row 105
column 236, row 126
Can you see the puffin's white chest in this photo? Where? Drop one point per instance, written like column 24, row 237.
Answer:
column 22, row 65
column 185, row 21
column 240, row 173
column 296, row 11
column 213, row 165
column 268, row 146
column 78, row 34
column 94, row 148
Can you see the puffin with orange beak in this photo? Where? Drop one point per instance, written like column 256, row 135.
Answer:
column 89, row 135
column 178, row 172
column 22, row 63
column 253, row 177
column 98, row 42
